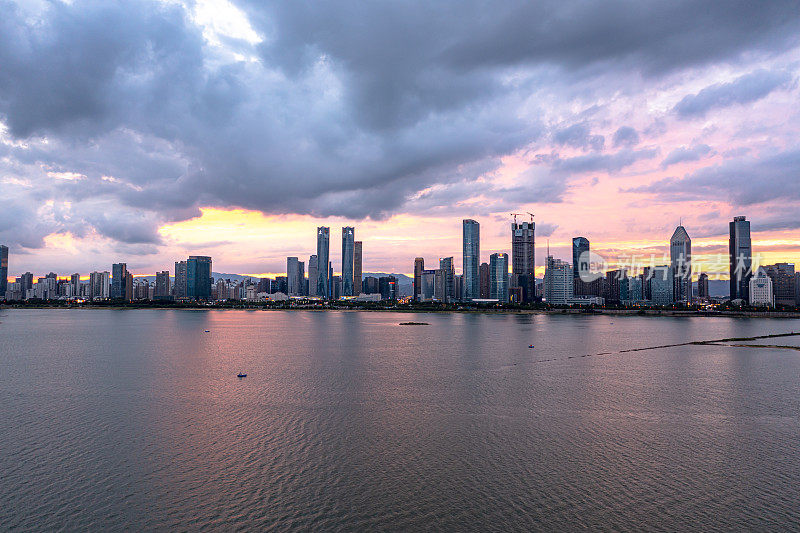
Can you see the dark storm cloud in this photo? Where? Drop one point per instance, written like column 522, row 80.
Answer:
column 352, row 110
column 684, row 154
column 743, row 181
column 743, row 90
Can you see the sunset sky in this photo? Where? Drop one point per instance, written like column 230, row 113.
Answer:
column 145, row 131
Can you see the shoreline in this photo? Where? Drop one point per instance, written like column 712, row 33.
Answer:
column 522, row 311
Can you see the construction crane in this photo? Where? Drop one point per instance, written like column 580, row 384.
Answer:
column 521, row 214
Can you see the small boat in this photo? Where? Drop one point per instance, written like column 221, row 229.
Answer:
column 241, row 375
column 207, row 331
column 530, row 346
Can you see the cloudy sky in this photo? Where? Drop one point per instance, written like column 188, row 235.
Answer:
column 144, row 131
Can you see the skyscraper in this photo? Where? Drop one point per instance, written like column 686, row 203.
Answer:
column 558, row 281
column 119, row 275
column 3, row 270
column 323, row 281
column 348, row 251
column 161, row 291
column 446, row 281
column 523, row 257
column 580, row 262
column 313, row 274
column 498, row 277
column 357, row 266
column 485, row 280
column 783, row 283
column 198, row 277
column 419, row 267
column 293, row 277
column 75, row 283
column 680, row 253
column 180, row 290
column 99, row 285
column 471, row 244
column 702, row 286
column 741, row 258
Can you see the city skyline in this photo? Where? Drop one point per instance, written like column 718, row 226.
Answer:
column 654, row 252
column 593, row 139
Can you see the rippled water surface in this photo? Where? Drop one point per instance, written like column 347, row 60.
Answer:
column 134, row 419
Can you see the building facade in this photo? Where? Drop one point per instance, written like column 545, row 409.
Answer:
column 323, row 284
column 419, row 268
column 3, row 270
column 162, row 288
column 783, row 283
column 198, row 277
column 741, row 258
column 680, row 253
column 357, row 267
column 558, row 281
column 485, row 280
column 661, row 285
column 761, row 290
column 498, row 277
column 119, row 274
column 523, row 257
column 702, row 286
column 348, row 256
column 471, row 247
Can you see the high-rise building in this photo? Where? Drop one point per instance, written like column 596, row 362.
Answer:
column 313, row 274
column 783, row 283
column 357, row 267
column 75, row 284
column 162, row 289
column 387, row 285
column 661, row 285
column 180, row 290
column 427, row 285
column 702, row 286
column 119, row 279
column 485, row 280
column 198, row 277
column 523, row 257
column 498, row 277
column 99, row 285
column 370, row 285
column 616, row 286
column 419, row 267
column 680, row 254
column 323, row 257
column 3, row 270
column 558, row 281
column 294, row 276
column 471, row 245
column 348, row 252
column 760, row 289
column 446, row 282
column 741, row 258
column 580, row 256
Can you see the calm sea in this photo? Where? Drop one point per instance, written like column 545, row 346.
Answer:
column 135, row 419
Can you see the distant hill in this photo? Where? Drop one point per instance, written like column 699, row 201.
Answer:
column 405, row 284
column 717, row 288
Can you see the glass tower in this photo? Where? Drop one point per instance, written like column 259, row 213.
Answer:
column 198, row 277
column 741, row 258
column 3, row 270
column 323, row 261
column 498, row 277
column 472, row 251
column 680, row 253
column 348, row 254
